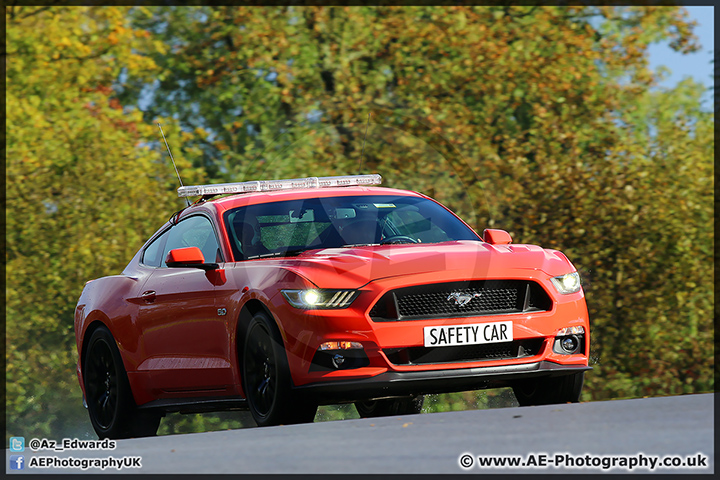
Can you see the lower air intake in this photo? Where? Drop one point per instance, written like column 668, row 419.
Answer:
column 465, row 353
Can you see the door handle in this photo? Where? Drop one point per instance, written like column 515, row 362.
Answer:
column 148, row 296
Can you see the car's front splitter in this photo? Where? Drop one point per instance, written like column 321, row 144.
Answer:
column 395, row 384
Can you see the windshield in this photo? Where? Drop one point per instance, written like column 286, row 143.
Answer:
column 293, row 226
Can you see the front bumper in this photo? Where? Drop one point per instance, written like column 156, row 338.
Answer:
column 397, row 384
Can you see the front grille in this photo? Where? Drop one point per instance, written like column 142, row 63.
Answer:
column 461, row 299
column 465, row 353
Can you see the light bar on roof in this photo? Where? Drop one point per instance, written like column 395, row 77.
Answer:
column 277, row 185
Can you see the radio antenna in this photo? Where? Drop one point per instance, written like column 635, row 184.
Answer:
column 362, row 154
column 173, row 160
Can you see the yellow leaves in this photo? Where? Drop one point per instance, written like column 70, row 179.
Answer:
column 159, row 47
column 58, row 44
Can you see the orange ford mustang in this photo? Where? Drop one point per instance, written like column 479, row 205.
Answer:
column 304, row 292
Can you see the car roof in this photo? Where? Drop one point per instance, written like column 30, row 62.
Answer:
column 255, row 198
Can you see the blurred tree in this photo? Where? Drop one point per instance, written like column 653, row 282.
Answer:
column 84, row 192
column 548, row 129
column 539, row 120
column 651, row 275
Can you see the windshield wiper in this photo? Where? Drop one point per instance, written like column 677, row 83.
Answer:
column 285, row 253
column 360, row 245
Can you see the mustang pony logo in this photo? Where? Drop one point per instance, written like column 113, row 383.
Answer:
column 462, row 298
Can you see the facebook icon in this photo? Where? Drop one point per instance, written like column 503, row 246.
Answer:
column 17, row 462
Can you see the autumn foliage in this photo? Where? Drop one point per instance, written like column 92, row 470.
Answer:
column 543, row 121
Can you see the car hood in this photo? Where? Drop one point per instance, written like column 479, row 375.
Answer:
column 357, row 266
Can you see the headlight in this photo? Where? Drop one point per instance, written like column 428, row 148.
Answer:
column 320, row 298
column 568, row 283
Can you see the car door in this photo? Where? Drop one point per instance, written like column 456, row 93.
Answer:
column 184, row 336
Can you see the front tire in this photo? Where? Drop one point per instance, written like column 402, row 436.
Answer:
column 390, row 406
column 266, row 378
column 549, row 391
column 111, row 406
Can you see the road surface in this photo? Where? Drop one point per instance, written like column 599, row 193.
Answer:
column 573, row 435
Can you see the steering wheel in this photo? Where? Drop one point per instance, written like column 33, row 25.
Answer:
column 397, row 239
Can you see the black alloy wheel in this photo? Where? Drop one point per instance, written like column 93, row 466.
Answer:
column 266, row 378
column 261, row 369
column 101, row 383
column 110, row 403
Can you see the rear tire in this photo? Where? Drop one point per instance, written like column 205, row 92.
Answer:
column 390, row 406
column 548, row 391
column 111, row 406
column 266, row 378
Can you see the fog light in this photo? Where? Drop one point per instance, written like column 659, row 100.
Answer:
column 570, row 341
column 338, row 360
column 339, row 355
column 570, row 344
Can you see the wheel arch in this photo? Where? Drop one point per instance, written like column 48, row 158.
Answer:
column 247, row 312
column 94, row 325
column 91, row 328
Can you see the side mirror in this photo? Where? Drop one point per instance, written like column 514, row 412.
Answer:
column 496, row 237
column 189, row 257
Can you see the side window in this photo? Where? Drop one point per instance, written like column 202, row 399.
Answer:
column 152, row 257
column 196, row 231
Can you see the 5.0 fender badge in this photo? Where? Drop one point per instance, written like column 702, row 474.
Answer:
column 462, row 298
column 222, row 311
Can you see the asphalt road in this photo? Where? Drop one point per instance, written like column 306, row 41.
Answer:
column 583, row 433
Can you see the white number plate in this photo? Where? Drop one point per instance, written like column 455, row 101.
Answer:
column 477, row 333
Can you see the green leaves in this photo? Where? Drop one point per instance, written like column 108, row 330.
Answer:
column 538, row 120
column 82, row 195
